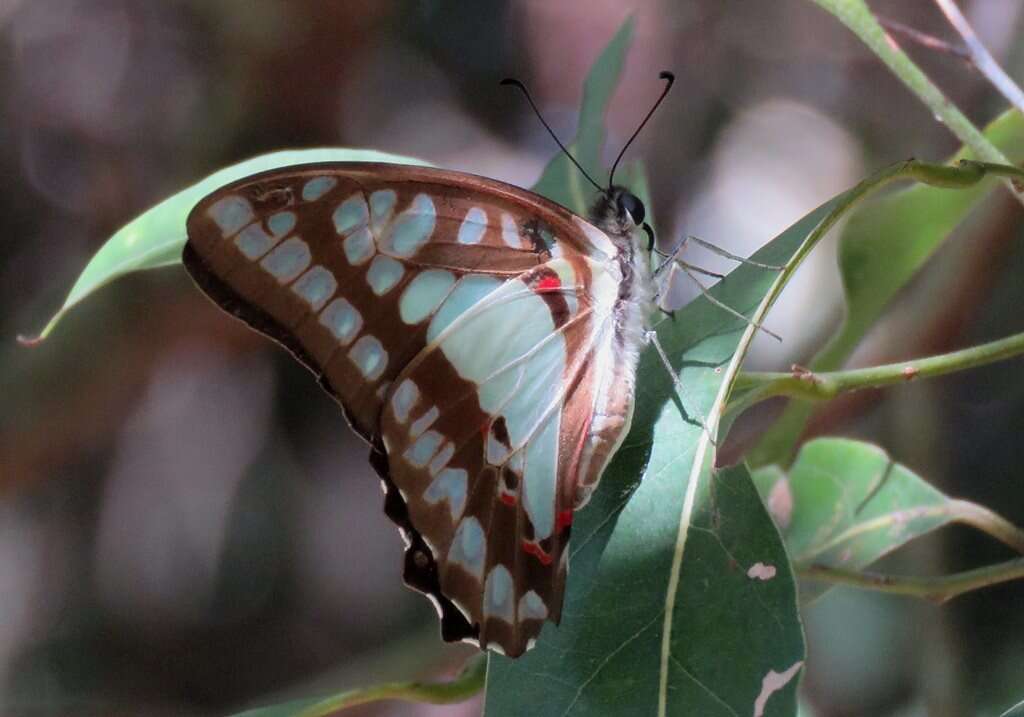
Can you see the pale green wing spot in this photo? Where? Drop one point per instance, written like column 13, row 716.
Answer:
column 351, row 214
column 468, row 291
column 359, row 247
column 498, row 601
column 539, row 484
column 316, row 286
column 468, row 547
column 472, row 229
column 342, row 319
column 384, row 273
column 288, row 260
column 369, row 357
column 281, row 223
column 404, row 398
column 450, row 485
column 382, row 203
column 253, row 242
column 423, row 449
column 509, row 231
column 424, row 294
column 411, row 229
column 439, row 461
column 317, row 187
column 532, row 607
column 231, row 213
column 424, row 422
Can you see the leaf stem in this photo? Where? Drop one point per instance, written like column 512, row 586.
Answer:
column 811, row 386
column 937, row 589
column 465, row 685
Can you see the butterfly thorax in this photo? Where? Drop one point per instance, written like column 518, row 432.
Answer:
column 619, row 214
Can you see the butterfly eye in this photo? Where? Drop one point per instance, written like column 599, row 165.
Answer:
column 633, row 206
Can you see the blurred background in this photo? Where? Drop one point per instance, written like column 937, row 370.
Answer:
column 186, row 525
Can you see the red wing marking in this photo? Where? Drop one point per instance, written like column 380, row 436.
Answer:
column 537, row 551
column 549, row 282
column 563, row 519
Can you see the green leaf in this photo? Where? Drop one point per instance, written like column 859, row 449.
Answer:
column 665, row 611
column 883, row 246
column 845, row 504
column 156, row 237
column 561, row 181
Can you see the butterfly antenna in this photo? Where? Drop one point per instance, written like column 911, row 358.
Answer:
column 669, row 79
column 522, row 88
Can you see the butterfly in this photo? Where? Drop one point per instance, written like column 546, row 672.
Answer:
column 482, row 339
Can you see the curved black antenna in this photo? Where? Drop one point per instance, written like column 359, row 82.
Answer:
column 516, row 83
column 669, row 79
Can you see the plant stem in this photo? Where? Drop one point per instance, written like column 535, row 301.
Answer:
column 810, row 386
column 981, row 57
column 857, row 16
column 468, row 683
column 923, row 39
column 937, row 589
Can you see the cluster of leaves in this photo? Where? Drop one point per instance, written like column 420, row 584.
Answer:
column 683, row 597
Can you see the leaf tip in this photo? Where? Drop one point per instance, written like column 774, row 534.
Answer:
column 30, row 341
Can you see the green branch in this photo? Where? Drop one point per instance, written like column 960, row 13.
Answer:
column 936, row 589
column 810, row 386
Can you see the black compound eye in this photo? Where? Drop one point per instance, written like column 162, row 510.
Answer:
column 634, row 206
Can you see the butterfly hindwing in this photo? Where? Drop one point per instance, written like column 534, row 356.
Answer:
column 485, row 431
column 468, row 328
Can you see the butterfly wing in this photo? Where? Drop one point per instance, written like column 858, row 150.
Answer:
column 491, row 434
column 383, row 279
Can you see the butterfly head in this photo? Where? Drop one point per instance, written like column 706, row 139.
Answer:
column 618, row 211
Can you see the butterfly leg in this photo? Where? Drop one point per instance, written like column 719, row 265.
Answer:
column 671, row 257
column 652, row 338
column 725, row 307
column 728, row 255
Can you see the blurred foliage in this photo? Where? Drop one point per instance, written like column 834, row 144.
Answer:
column 177, row 539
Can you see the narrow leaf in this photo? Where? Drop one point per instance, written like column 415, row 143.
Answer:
column 155, row 238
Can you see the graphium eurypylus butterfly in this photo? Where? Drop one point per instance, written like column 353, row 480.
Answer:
column 483, row 339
